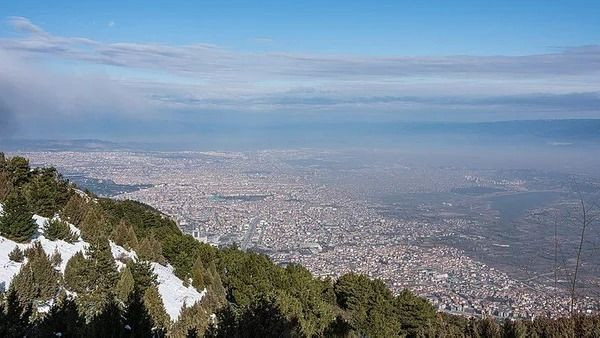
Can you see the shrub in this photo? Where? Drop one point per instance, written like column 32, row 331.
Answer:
column 16, row 255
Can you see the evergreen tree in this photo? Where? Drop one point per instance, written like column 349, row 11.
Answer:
column 125, row 285
column 55, row 229
column 514, row 329
column 156, row 309
column 47, row 192
column 124, row 235
column 77, row 274
column 63, row 320
column 143, row 275
column 75, row 209
column 37, row 280
column 15, row 317
column 150, row 249
column 137, row 320
column 6, row 186
column 18, row 170
column 369, row 305
column 108, row 322
column 193, row 318
column 94, row 224
column 16, row 222
column 16, row 255
column 264, row 318
column 103, row 267
column 199, row 273
column 413, row 312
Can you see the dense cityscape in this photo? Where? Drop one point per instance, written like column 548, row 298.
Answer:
column 296, row 208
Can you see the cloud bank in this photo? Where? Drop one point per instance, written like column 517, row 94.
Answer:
column 199, row 83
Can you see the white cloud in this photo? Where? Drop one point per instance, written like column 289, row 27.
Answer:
column 147, row 80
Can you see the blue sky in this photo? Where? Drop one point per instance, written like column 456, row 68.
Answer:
column 359, row 27
column 201, row 63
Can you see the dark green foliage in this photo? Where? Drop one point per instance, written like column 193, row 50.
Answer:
column 125, row 285
column 136, row 317
column 75, row 209
column 16, row 223
column 262, row 318
column 250, row 276
column 143, row 275
column 62, row 318
column 94, row 224
column 103, row 268
column 18, row 169
column 486, row 327
column 369, row 305
column 94, row 278
column 46, row 191
column 247, row 275
column 16, row 255
column 108, row 322
column 150, row 249
column 156, row 308
column 194, row 319
column 55, row 229
column 5, row 179
column 124, row 235
column 15, row 317
column 413, row 312
column 37, row 280
column 77, row 274
column 6, row 186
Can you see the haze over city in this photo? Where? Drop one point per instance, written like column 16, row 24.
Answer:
column 447, row 149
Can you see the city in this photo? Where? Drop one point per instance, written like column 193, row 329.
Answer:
column 283, row 204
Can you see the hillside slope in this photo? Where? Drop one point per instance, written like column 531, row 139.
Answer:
column 173, row 292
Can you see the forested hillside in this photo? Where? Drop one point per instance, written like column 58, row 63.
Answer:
column 119, row 266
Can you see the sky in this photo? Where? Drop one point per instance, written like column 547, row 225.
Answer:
column 163, row 69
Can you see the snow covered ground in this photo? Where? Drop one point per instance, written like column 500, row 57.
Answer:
column 174, row 294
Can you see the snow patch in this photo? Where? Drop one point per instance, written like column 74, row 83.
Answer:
column 174, row 294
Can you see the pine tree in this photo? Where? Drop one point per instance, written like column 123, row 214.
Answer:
column 125, row 285
column 124, row 235
column 94, row 225
column 18, row 169
column 63, row 320
column 6, row 186
column 192, row 318
column 137, row 319
column 107, row 321
column 198, row 275
column 47, row 192
column 156, row 309
column 16, row 255
column 15, row 318
column 55, row 229
column 16, row 222
column 37, row 280
column 143, row 275
column 77, row 274
column 103, row 267
column 150, row 249
column 75, row 209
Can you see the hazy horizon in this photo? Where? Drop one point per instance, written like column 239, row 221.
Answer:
column 194, row 73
